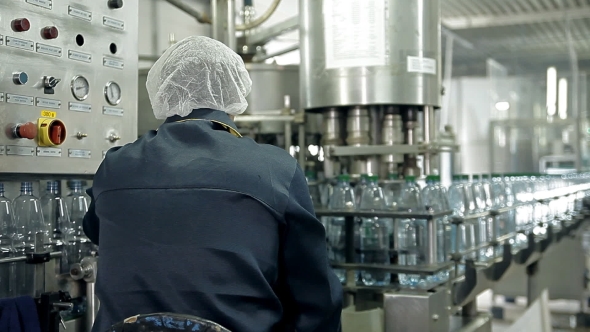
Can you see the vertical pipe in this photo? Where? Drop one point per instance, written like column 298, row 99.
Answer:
column 432, row 250
column 302, row 145
column 289, row 137
column 91, row 305
column 215, row 33
column 427, row 136
column 231, row 25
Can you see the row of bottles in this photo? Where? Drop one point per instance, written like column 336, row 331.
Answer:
column 31, row 224
column 405, row 241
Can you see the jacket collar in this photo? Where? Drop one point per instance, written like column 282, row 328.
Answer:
column 206, row 114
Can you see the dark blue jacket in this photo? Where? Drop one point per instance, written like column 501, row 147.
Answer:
column 195, row 220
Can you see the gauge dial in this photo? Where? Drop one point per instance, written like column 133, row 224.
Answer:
column 112, row 93
column 80, row 87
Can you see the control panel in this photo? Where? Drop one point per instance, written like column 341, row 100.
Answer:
column 68, row 83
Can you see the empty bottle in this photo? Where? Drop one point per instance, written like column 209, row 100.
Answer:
column 342, row 200
column 462, row 235
column 411, row 235
column 314, row 189
column 435, row 201
column 374, row 235
column 484, row 225
column 392, row 191
column 78, row 206
column 29, row 217
column 55, row 213
column 360, row 187
column 8, row 246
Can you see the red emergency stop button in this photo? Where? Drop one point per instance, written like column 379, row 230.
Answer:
column 21, row 25
column 25, row 130
column 49, row 32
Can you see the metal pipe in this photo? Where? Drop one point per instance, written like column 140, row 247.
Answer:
column 200, row 17
column 289, row 136
column 215, row 18
column 147, row 57
column 263, row 18
column 231, row 25
column 91, row 305
column 301, row 145
column 432, row 252
column 277, row 53
column 427, row 136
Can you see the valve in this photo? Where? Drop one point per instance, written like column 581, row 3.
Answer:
column 52, row 132
column 49, row 84
column 113, row 138
column 81, row 135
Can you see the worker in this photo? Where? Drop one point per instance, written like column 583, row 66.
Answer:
column 195, row 219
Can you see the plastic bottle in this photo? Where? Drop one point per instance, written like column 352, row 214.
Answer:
column 29, row 217
column 55, row 213
column 374, row 235
column 462, row 236
column 392, row 191
column 360, row 187
column 342, row 200
column 314, row 189
column 8, row 246
column 435, row 200
column 484, row 225
column 78, row 206
column 411, row 235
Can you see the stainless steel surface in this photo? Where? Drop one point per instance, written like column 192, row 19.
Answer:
column 145, row 118
column 102, row 30
column 270, row 85
column 391, row 134
column 357, row 127
column 432, row 248
column 262, row 58
column 412, row 29
column 87, row 270
column 481, row 323
column 74, row 325
column 416, row 311
column 342, row 151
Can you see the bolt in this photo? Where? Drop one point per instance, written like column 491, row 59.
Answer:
column 435, row 317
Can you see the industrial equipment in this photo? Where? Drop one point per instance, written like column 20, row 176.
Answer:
column 68, row 93
column 362, row 69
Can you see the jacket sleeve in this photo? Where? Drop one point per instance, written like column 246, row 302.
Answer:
column 91, row 223
column 315, row 293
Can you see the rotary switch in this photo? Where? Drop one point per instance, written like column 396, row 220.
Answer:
column 21, row 25
column 49, row 33
column 49, row 83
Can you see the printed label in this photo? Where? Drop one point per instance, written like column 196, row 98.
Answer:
column 1, row 40
column 50, row 103
column 41, row 3
column 16, row 150
column 1, row 97
column 112, row 111
column 48, row 49
column 79, row 13
column 49, row 114
column 79, row 107
column 48, row 152
column 18, row 99
column 79, row 56
column 113, row 63
column 20, row 43
column 79, row 153
column 354, row 33
column 421, row 65
column 2, row 149
column 113, row 23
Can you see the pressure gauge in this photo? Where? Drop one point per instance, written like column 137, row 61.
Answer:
column 112, row 93
column 80, row 87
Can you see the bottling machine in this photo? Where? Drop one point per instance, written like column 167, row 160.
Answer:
column 68, row 93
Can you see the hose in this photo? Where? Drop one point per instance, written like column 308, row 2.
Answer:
column 263, row 18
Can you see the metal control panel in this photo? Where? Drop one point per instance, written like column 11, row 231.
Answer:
column 68, row 83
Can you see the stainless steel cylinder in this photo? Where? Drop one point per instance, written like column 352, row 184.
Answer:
column 391, row 134
column 358, row 127
column 331, row 134
column 369, row 52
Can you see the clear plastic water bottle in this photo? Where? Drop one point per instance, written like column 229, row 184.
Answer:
column 29, row 217
column 392, row 190
column 8, row 246
column 463, row 235
column 314, row 188
column 360, row 187
column 342, row 200
column 484, row 225
column 435, row 200
column 55, row 213
column 374, row 235
column 411, row 235
column 78, row 206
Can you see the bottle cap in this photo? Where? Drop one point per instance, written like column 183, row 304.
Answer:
column 410, row 178
column 344, row 178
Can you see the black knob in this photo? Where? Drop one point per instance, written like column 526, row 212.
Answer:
column 115, row 4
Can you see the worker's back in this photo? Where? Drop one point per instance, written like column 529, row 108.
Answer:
column 192, row 221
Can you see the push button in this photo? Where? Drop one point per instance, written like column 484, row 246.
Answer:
column 21, row 25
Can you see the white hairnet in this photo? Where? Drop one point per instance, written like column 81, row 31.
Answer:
column 198, row 72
